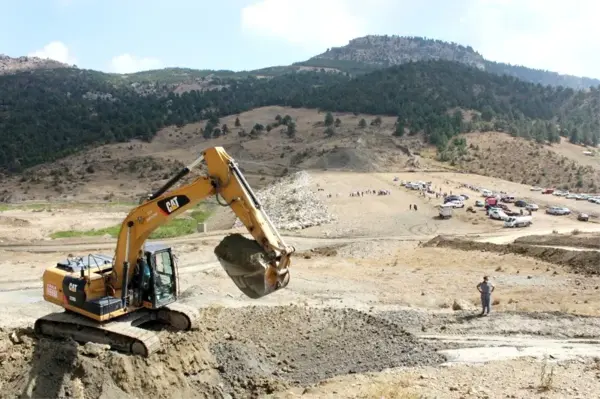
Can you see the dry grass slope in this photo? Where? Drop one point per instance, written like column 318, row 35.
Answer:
column 518, row 160
column 128, row 170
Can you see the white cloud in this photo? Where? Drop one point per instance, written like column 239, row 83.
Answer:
column 310, row 24
column 556, row 35
column 57, row 51
column 127, row 63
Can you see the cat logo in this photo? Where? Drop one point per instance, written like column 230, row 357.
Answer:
column 73, row 287
column 172, row 205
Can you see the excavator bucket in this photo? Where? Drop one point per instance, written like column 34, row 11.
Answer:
column 247, row 264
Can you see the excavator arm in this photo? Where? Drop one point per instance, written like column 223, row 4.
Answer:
column 225, row 181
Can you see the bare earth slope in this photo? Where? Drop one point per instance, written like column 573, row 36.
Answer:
column 518, row 160
column 129, row 170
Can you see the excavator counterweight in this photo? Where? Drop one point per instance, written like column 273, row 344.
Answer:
column 109, row 300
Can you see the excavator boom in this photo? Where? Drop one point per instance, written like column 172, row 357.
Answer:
column 225, row 181
column 108, row 302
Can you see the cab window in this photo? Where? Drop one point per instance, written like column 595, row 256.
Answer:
column 163, row 263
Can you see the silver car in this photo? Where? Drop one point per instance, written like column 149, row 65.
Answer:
column 558, row 210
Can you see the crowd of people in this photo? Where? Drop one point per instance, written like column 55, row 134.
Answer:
column 370, row 192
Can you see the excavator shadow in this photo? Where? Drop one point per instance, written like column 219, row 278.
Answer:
column 51, row 361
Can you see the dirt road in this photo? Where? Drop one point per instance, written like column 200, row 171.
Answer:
column 485, row 348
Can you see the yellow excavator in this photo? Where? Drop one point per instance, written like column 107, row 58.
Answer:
column 107, row 300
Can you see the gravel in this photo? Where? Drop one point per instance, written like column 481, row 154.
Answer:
column 306, row 345
column 237, row 353
column 291, row 204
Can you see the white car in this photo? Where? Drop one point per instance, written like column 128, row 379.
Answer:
column 456, row 204
column 498, row 214
column 536, row 188
column 558, row 210
column 532, row 207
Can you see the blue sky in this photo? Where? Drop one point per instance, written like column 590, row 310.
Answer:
column 130, row 35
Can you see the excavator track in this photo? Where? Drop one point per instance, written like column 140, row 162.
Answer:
column 180, row 316
column 122, row 334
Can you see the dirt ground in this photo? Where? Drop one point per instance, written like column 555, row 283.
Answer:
column 371, row 311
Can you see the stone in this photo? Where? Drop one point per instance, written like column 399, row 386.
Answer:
column 291, row 204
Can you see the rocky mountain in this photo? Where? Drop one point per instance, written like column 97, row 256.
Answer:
column 12, row 65
column 48, row 114
column 364, row 54
column 385, row 51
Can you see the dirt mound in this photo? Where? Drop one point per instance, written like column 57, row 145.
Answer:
column 587, row 262
column 583, row 240
column 242, row 353
column 14, row 222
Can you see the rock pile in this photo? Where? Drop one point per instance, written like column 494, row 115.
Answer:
column 291, row 204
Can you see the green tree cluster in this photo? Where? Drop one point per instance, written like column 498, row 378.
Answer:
column 48, row 114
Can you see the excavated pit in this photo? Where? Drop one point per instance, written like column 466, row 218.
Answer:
column 237, row 353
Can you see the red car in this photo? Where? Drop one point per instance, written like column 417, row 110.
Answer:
column 548, row 191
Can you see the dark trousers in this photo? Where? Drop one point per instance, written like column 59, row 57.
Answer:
column 486, row 303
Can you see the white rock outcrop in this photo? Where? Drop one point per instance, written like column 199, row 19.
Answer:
column 292, row 204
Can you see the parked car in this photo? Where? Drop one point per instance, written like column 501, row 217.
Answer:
column 584, row 217
column 518, row 221
column 498, row 214
column 558, row 210
column 479, row 203
column 548, row 191
column 520, row 203
column 455, row 204
column 536, row 188
column 450, row 198
column 532, row 207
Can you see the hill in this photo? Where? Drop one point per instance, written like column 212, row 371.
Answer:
column 125, row 171
column 371, row 52
column 522, row 161
column 12, row 65
column 49, row 114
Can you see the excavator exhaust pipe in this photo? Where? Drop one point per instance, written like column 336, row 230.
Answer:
column 249, row 267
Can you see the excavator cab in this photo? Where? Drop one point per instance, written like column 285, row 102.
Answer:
column 157, row 286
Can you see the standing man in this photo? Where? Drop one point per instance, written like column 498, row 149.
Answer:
column 486, row 288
